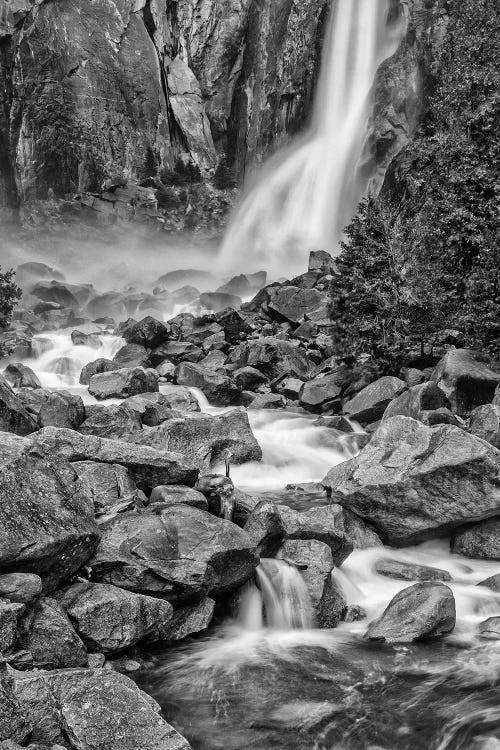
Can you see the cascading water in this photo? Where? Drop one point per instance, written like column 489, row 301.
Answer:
column 304, row 199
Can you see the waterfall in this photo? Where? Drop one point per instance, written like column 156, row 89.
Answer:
column 279, row 599
column 305, row 198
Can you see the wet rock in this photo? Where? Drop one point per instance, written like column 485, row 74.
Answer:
column 205, row 439
column 46, row 632
column 147, row 466
column 123, row 383
column 479, row 540
column 234, row 323
column 180, row 552
column 490, row 629
column 219, row 389
column 410, row 571
column 109, row 619
column 191, row 619
column 21, row 376
column 414, row 482
column 106, row 484
column 238, row 285
column 117, row 714
column 78, row 338
column 55, row 291
column 266, row 528
column 417, row 402
column 249, row 378
column 176, row 352
column 370, row 404
column 47, row 522
column 13, row 416
column 132, row 355
column 335, row 423
column 155, row 408
column 20, row 587
column 168, row 495
column 295, row 305
column 96, row 368
column 205, row 334
column 268, row 401
column 420, row 612
column 493, row 583
column 219, row 493
column 33, row 399
column 467, row 378
column 62, row 409
column 305, row 527
column 354, row 613
column 319, row 394
column 218, row 301
column 343, row 521
column 272, row 356
column 214, row 361
column 148, row 332
column 116, row 421
column 485, row 423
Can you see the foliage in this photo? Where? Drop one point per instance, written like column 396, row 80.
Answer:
column 224, row 178
column 10, row 293
column 167, row 198
column 183, row 173
column 150, row 167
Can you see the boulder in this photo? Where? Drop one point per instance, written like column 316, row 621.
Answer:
column 219, row 492
column 479, row 540
column 206, row 334
column 9, row 614
column 55, row 291
column 291, row 388
column 132, row 355
column 169, row 495
column 97, row 368
column 370, row 403
column 219, row 389
column 205, row 439
column 192, row 619
column 404, row 571
column 417, row 402
column 176, row 352
column 305, row 527
column 467, row 378
column 47, row 522
column 272, row 356
column 249, row 379
column 123, row 383
column 13, row 416
column 33, row 399
column 62, row 409
column 109, row 619
column 343, row 521
column 414, row 482
column 485, row 423
column 295, row 305
column 20, row 587
column 266, row 528
column 147, row 466
column 493, row 583
column 490, row 629
column 321, row 260
column 420, row 612
column 238, row 286
column 218, row 301
column 180, row 553
column 46, row 632
column 148, row 333
column 155, row 408
column 268, row 401
column 108, row 485
column 14, row 722
column 235, row 324
column 320, row 393
column 21, row 376
column 117, row 421
column 93, row 340
column 116, row 713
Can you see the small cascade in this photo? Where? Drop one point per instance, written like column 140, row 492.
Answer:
column 278, row 600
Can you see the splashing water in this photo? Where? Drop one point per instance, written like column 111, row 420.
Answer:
column 305, row 198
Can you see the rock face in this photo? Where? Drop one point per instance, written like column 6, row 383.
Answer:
column 180, row 553
column 422, row 611
column 414, row 482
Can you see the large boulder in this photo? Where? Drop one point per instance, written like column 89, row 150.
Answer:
column 169, row 495
column 20, row 587
column 370, row 403
column 295, row 305
column 13, row 416
column 485, row 423
column 404, row 571
column 47, row 522
column 479, row 540
column 194, row 618
column 108, row 485
column 205, row 439
column 148, row 332
column 132, row 355
column 62, row 409
column 467, row 378
column 109, row 619
column 21, row 376
column 305, row 527
column 420, row 612
column 117, row 421
column 179, row 552
column 147, row 466
column 414, row 482
column 176, row 352
column 97, row 367
column 321, row 393
column 155, row 408
column 14, row 722
column 123, row 383
column 219, row 389
column 343, row 521
column 266, row 528
column 93, row 709
column 47, row 633
column 419, row 402
column 272, row 356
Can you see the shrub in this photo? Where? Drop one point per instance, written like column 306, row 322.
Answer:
column 167, row 198
column 183, row 173
column 10, row 293
column 224, row 177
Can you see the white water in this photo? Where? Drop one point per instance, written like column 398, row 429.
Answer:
column 305, row 198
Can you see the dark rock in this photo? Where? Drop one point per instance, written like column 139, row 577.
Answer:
column 33, row 399
column 422, row 611
column 219, row 493
column 234, row 323
column 305, row 527
column 176, row 352
column 96, row 368
column 92, row 340
column 467, row 379
column 338, row 422
column 294, row 305
column 219, row 389
column 47, row 523
column 320, row 393
column 180, row 552
column 132, row 355
column 272, row 356
column 218, row 301
column 268, row 401
column 55, row 291
column 191, row 619
column 485, row 423
column 116, row 421
column 62, row 409
column 370, row 404
column 479, row 540
column 249, row 379
column 46, row 632
column 155, row 408
column 21, row 376
column 266, row 528
column 109, row 619
column 490, row 629
column 14, row 722
column 13, row 416
column 417, row 402
column 175, row 495
column 148, row 332
column 414, row 482
column 290, row 388
column 123, row 383
column 345, row 522
column 410, row 571
column 9, row 614
column 20, row 587
column 107, row 484
column 147, row 466
column 214, row 361
column 205, row 334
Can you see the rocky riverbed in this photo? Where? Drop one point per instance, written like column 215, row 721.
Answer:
column 192, row 458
